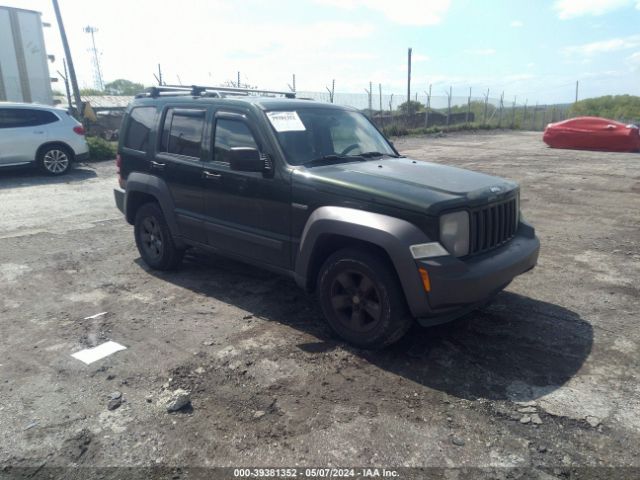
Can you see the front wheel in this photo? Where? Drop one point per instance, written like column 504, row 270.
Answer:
column 55, row 160
column 154, row 240
column 362, row 299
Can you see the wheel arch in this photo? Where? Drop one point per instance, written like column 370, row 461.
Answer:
column 53, row 143
column 143, row 188
column 331, row 228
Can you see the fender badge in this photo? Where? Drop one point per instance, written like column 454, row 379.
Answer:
column 495, row 189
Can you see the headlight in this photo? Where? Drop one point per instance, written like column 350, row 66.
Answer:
column 454, row 233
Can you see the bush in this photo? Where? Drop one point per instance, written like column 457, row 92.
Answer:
column 100, row 149
column 395, row 131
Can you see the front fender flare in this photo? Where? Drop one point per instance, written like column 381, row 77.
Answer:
column 392, row 234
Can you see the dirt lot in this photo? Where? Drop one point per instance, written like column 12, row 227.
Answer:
column 546, row 377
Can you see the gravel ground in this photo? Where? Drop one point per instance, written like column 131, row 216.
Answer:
column 544, row 379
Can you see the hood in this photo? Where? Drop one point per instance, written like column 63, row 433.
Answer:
column 402, row 182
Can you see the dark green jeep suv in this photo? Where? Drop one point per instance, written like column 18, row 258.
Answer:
column 315, row 191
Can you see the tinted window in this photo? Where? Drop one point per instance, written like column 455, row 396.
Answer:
column 230, row 134
column 24, row 117
column 183, row 132
column 141, row 121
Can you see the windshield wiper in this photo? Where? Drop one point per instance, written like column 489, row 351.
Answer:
column 334, row 158
column 376, row 154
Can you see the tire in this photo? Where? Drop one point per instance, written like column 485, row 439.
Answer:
column 154, row 240
column 55, row 160
column 362, row 299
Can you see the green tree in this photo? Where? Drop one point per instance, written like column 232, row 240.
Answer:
column 122, row 86
column 411, row 106
column 90, row 91
column 616, row 107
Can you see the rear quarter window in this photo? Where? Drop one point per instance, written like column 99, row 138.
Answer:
column 139, row 127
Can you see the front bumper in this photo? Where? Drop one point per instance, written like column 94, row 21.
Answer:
column 459, row 286
column 119, row 197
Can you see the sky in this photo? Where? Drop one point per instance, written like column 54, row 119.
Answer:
column 531, row 50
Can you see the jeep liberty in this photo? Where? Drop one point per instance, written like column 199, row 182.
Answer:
column 315, row 191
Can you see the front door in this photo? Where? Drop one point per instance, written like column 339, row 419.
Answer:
column 247, row 213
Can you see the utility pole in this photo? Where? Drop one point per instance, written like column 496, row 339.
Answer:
column 292, row 86
column 380, row 94
column 409, row 82
column 67, row 54
column 332, row 91
column 97, row 73
column 513, row 113
column 370, row 94
column 524, row 115
column 65, row 77
column 501, row 108
column 486, row 102
column 469, row 106
column 426, row 115
column 159, row 76
column 449, row 103
column 238, row 84
column 577, row 85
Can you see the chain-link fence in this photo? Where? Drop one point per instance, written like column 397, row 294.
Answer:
column 424, row 111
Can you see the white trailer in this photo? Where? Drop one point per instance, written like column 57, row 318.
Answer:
column 24, row 67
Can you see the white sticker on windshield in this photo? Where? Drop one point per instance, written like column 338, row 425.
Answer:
column 286, row 121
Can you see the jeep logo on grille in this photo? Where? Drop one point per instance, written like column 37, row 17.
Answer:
column 495, row 189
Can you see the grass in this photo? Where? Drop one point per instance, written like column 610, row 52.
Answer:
column 400, row 131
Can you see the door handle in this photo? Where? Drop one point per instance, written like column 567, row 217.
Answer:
column 211, row 175
column 157, row 165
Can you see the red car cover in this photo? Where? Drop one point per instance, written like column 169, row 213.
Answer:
column 592, row 133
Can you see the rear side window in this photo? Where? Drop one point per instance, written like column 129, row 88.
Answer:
column 182, row 132
column 25, row 117
column 231, row 134
column 141, row 121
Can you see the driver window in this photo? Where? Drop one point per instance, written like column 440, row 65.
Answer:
column 230, row 134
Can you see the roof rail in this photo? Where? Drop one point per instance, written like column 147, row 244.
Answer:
column 204, row 91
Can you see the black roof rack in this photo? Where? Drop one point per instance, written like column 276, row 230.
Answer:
column 204, row 91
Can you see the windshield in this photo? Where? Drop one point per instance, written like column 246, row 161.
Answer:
column 309, row 134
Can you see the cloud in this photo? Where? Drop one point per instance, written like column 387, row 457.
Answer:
column 481, row 52
column 404, row 12
column 634, row 61
column 516, row 24
column 567, row 9
column 603, row 46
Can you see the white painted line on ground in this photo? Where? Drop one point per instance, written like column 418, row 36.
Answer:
column 90, row 355
column 95, row 316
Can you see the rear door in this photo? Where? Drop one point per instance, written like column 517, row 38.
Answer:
column 22, row 131
column 179, row 162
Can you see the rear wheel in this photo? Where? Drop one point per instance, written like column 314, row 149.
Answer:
column 55, row 160
column 154, row 240
column 362, row 299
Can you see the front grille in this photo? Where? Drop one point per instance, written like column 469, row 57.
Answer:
column 493, row 225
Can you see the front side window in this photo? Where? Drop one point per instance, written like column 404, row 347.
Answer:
column 231, row 134
column 183, row 132
column 312, row 133
column 141, row 121
column 25, row 117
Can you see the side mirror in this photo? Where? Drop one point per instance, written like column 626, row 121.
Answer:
column 246, row 159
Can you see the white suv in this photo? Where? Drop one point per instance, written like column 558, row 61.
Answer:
column 37, row 134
